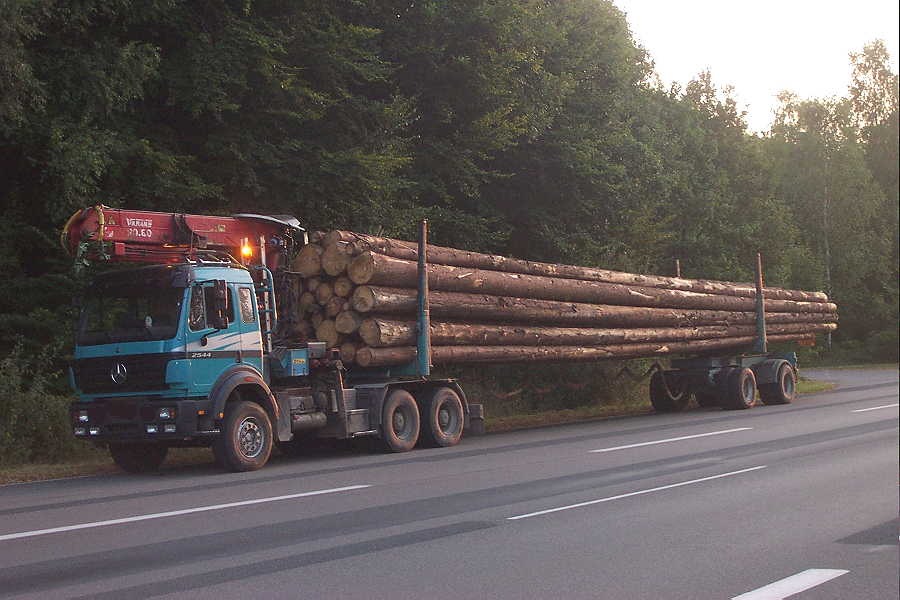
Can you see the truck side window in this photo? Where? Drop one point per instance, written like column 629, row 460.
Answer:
column 202, row 297
column 245, row 297
column 197, row 317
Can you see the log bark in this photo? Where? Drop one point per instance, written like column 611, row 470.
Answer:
column 348, row 322
column 308, row 261
column 336, row 257
column 383, row 357
column 317, row 318
column 325, row 332
column 376, row 269
column 482, row 307
column 379, row 332
column 473, row 260
column 343, row 287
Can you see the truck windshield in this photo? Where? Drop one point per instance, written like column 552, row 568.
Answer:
column 132, row 313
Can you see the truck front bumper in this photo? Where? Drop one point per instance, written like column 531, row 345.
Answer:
column 142, row 419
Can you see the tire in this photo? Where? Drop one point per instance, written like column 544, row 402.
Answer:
column 783, row 390
column 668, row 393
column 740, row 391
column 400, row 421
column 245, row 443
column 138, row 458
column 706, row 399
column 442, row 419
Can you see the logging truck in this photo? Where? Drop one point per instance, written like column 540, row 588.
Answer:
column 186, row 349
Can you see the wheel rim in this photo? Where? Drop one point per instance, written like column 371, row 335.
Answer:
column 748, row 389
column 787, row 384
column 402, row 424
column 251, row 437
column 447, row 420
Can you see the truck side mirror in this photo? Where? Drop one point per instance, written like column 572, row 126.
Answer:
column 219, row 313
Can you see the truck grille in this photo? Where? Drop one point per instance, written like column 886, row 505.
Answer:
column 143, row 372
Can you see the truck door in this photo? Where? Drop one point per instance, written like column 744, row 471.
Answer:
column 210, row 350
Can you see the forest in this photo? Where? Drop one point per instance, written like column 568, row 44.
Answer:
column 526, row 128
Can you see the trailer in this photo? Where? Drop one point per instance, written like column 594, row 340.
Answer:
column 185, row 351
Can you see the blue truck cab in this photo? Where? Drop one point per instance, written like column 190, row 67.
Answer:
column 190, row 354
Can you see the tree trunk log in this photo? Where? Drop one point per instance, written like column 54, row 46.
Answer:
column 324, row 292
column 343, row 287
column 473, row 260
column 307, row 301
column 334, row 306
column 348, row 352
column 312, row 283
column 348, row 322
column 386, row 332
column 308, row 261
column 382, row 357
column 377, row 269
column 336, row 257
column 481, row 307
column 325, row 332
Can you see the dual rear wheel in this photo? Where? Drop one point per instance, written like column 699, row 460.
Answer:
column 437, row 421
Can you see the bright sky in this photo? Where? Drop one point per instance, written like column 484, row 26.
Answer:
column 762, row 47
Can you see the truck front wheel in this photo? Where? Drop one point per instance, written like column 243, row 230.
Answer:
column 400, row 421
column 245, row 442
column 138, row 458
column 442, row 418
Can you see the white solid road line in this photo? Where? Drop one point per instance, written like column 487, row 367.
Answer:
column 675, row 439
column 876, row 407
column 175, row 513
column 630, row 494
column 792, row 585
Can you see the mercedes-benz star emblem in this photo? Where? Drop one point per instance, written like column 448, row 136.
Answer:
column 118, row 373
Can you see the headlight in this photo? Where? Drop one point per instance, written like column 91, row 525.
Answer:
column 83, row 416
column 166, row 413
column 80, row 431
column 152, row 429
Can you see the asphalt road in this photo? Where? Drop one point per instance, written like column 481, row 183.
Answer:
column 704, row 504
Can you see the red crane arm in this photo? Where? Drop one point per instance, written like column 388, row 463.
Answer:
column 114, row 234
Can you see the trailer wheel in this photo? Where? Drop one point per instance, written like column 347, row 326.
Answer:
column 740, row 391
column 668, row 392
column 442, row 418
column 246, row 439
column 783, row 390
column 400, row 421
column 138, row 458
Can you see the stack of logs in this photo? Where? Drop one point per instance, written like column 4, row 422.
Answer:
column 358, row 293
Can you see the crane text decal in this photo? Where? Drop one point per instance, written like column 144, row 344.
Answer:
column 139, row 228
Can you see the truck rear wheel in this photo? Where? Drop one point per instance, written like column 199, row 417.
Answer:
column 245, row 442
column 442, row 418
column 400, row 421
column 783, row 390
column 740, row 390
column 668, row 392
column 138, row 458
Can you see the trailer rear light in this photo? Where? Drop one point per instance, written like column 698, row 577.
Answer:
column 83, row 416
column 152, row 429
column 169, row 428
column 80, row 431
column 246, row 251
column 94, row 431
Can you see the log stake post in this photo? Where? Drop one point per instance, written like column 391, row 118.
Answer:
column 423, row 320
column 678, row 268
column 761, row 344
